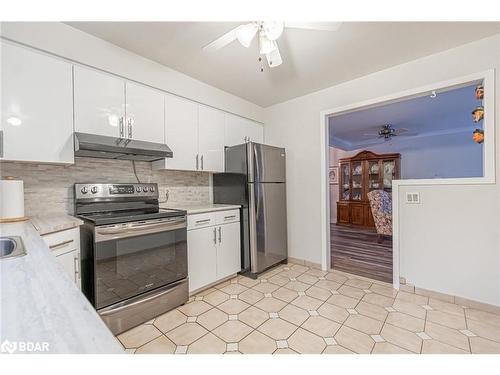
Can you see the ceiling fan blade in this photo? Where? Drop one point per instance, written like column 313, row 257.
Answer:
column 274, row 58
column 323, row 26
column 222, row 41
column 404, row 132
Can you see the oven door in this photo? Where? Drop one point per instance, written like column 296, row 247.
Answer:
column 134, row 258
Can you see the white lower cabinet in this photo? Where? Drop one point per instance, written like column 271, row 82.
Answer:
column 202, row 257
column 65, row 245
column 213, row 250
column 228, row 250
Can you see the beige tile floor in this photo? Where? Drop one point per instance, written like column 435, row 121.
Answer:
column 296, row 309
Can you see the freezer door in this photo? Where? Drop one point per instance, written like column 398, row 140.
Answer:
column 268, row 163
column 268, row 233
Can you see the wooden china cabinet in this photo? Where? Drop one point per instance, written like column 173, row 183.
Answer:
column 359, row 175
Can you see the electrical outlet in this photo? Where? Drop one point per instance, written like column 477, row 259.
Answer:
column 413, row 198
column 163, row 194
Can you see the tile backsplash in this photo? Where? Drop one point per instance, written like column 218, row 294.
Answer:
column 48, row 189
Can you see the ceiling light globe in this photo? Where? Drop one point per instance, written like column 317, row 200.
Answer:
column 273, row 29
column 266, row 45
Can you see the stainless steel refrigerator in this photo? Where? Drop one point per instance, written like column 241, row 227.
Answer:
column 255, row 179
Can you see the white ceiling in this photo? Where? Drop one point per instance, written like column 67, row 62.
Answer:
column 449, row 112
column 312, row 60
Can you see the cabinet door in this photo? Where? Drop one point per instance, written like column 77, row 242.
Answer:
column 357, row 214
column 202, row 268
column 211, row 139
column 99, row 102
column 370, row 222
column 37, row 107
column 228, row 250
column 235, row 130
column 255, row 132
column 181, row 134
column 343, row 214
column 68, row 261
column 145, row 113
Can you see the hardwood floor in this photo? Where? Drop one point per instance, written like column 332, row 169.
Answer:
column 355, row 250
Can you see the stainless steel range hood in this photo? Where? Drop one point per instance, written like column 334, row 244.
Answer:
column 100, row 146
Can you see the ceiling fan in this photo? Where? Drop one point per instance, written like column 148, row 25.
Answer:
column 387, row 131
column 268, row 32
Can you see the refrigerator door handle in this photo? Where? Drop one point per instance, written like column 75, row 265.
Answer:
column 252, row 224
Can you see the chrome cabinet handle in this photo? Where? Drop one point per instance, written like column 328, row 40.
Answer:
column 201, row 162
column 229, row 217
column 121, row 127
column 220, row 235
column 59, row 245
column 215, row 236
column 130, row 127
column 77, row 266
column 1, row 143
column 197, row 162
column 202, row 221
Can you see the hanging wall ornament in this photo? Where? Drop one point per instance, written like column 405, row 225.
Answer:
column 478, row 114
column 479, row 92
column 478, row 136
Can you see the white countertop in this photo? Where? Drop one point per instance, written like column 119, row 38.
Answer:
column 40, row 303
column 54, row 223
column 198, row 208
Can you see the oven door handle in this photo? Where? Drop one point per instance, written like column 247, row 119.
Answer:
column 103, row 234
column 112, row 310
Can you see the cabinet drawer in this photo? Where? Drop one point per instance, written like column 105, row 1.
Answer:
column 201, row 220
column 226, row 217
column 63, row 241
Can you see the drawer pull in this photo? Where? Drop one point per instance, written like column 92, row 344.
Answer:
column 61, row 244
column 229, row 217
column 202, row 221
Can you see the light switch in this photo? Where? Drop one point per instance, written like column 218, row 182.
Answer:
column 413, row 198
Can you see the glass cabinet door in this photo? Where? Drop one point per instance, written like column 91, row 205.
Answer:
column 344, row 182
column 357, row 181
column 373, row 175
column 389, row 170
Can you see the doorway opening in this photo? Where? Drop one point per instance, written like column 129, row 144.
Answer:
column 436, row 135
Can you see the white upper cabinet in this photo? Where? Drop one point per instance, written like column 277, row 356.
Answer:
column 239, row 130
column 99, row 103
column 37, row 107
column 211, row 139
column 255, row 132
column 145, row 113
column 181, row 134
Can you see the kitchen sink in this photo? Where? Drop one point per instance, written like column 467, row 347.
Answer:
column 11, row 247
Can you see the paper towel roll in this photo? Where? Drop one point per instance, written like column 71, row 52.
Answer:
column 11, row 199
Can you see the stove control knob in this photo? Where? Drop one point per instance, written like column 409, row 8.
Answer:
column 94, row 189
column 84, row 190
column 138, row 189
column 152, row 189
column 145, row 189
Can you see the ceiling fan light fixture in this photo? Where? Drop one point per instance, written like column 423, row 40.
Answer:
column 266, row 45
column 245, row 33
column 274, row 58
column 273, row 29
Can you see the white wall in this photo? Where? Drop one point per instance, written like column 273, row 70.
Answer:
column 68, row 42
column 448, row 243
